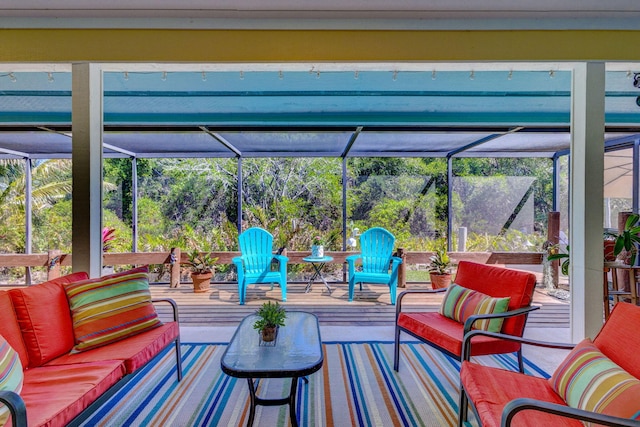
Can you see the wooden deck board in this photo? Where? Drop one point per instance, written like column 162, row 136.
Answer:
column 371, row 306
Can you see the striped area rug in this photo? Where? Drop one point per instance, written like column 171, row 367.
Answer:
column 356, row 386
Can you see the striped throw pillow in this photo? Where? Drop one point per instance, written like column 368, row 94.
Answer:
column 111, row 308
column 460, row 303
column 589, row 380
column 11, row 375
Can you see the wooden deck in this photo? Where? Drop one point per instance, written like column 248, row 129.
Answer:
column 371, row 306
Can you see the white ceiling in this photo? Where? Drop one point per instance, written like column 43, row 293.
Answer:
column 614, row 14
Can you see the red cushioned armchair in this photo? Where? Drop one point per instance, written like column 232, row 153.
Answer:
column 446, row 334
column 501, row 397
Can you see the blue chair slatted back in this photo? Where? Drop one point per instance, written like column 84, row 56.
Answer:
column 256, row 245
column 376, row 246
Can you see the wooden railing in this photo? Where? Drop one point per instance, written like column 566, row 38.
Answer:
column 53, row 260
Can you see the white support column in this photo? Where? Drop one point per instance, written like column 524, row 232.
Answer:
column 87, row 123
column 28, row 212
column 134, row 203
column 586, row 198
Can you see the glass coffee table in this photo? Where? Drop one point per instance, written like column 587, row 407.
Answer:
column 297, row 353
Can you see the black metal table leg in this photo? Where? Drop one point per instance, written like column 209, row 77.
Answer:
column 292, row 402
column 252, row 407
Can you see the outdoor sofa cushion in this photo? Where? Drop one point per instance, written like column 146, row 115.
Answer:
column 490, row 389
column 11, row 375
column 10, row 329
column 460, row 303
column 447, row 334
column 55, row 395
column 587, row 379
column 41, row 309
column 500, row 283
column 134, row 351
column 111, row 308
column 614, row 340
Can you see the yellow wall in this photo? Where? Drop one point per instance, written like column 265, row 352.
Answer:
column 148, row 45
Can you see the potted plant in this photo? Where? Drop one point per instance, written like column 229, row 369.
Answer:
column 317, row 247
column 270, row 317
column 556, row 255
column 611, row 249
column 202, row 268
column 627, row 241
column 440, row 269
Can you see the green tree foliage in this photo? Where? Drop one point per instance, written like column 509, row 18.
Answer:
column 397, row 194
column 54, row 230
column 119, row 171
column 192, row 203
column 294, row 198
column 51, row 182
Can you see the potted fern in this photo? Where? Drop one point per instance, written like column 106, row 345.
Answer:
column 202, row 268
column 440, row 269
column 270, row 317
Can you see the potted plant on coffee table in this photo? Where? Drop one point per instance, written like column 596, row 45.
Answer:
column 270, row 317
column 202, row 268
column 440, row 269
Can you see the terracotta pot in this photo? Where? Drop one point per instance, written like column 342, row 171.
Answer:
column 609, row 245
column 439, row 281
column 201, row 281
column 269, row 333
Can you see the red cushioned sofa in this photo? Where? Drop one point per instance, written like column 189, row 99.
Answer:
column 60, row 384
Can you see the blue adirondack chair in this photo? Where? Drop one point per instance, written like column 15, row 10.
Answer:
column 376, row 256
column 254, row 265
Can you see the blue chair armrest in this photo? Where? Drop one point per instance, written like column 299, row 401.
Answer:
column 396, row 261
column 351, row 262
column 281, row 258
column 16, row 406
column 353, row 258
column 237, row 260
